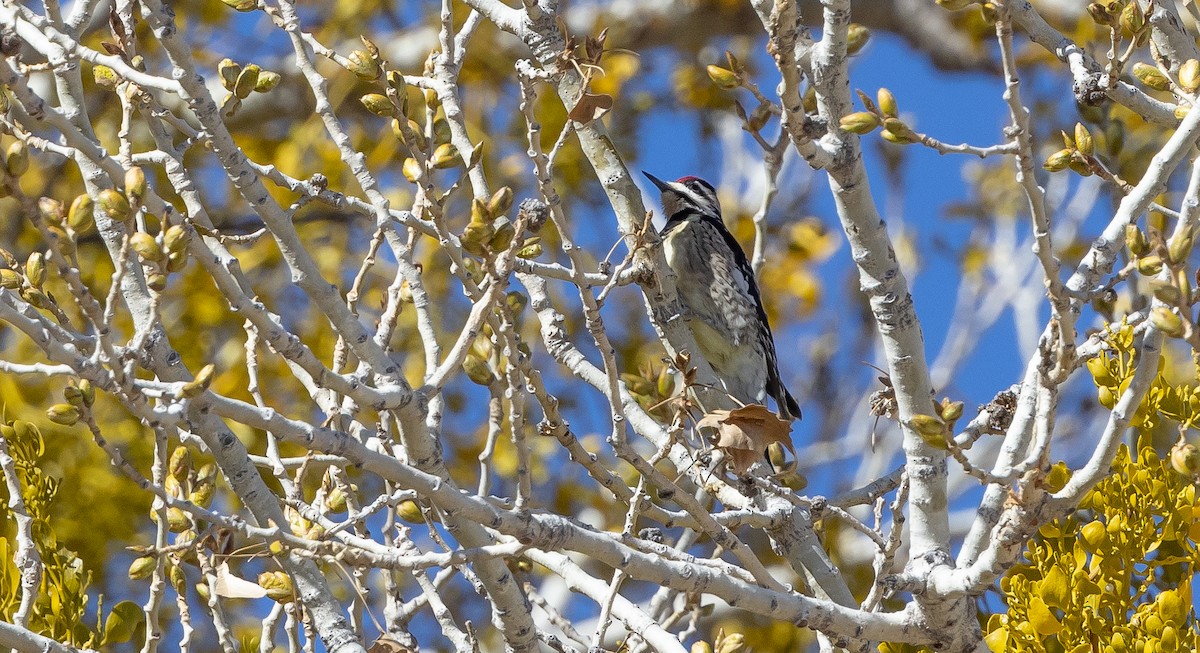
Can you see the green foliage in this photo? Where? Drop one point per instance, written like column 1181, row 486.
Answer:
column 1115, row 575
column 62, row 602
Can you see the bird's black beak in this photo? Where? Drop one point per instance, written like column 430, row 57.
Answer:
column 662, row 185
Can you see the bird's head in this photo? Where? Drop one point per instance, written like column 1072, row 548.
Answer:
column 691, row 194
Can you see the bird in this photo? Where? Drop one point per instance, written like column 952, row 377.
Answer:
column 716, row 286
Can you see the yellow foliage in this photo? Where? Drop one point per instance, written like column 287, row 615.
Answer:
column 1115, row 575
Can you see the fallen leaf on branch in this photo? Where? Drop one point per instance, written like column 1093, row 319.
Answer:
column 745, row 433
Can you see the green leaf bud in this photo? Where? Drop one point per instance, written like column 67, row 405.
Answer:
column 1149, row 75
column 35, row 269
column 229, row 70
column 887, row 102
column 64, row 414
column 378, row 105
column 146, row 247
column 114, row 204
column 363, row 65
column 723, row 77
column 246, row 81
column 1167, row 321
column 79, row 216
column 859, row 122
column 267, row 80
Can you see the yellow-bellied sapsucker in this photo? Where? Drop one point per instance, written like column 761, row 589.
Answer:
column 716, row 286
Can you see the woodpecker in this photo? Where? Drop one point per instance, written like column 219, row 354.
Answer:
column 716, row 287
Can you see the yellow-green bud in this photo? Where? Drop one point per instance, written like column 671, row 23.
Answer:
column 64, row 414
column 1149, row 75
column 856, row 38
column 930, row 429
column 1083, row 139
column 176, row 239
column 18, row 159
column 701, row 647
column 336, row 501
column 242, row 5
column 1166, row 292
column 410, row 512
column 114, row 204
column 142, row 567
column 202, row 494
column 1133, row 19
column 246, row 81
column 723, row 77
column 1189, row 75
column 952, row 410
column 1180, row 246
column 10, row 279
column 177, row 520
column 146, row 247
column 411, row 169
column 363, row 65
column 504, row 234
column 35, row 269
column 79, row 216
column 135, row 184
column 180, row 463
column 105, row 77
column 378, row 104
column 5, row 103
column 531, row 248
column 50, row 210
column 229, row 70
column 36, row 298
column 204, row 378
column 859, row 122
column 1060, row 160
column 1167, row 321
column 267, row 80
column 516, row 303
column 88, row 392
column 278, row 585
column 73, row 395
column 445, row 156
column 955, row 5
column 887, row 102
column 1136, row 241
column 900, row 130
column 478, row 370
column 1150, row 265
column 500, row 202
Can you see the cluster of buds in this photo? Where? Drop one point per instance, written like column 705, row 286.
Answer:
column 302, row 526
column 1125, row 15
column 935, row 430
column 1077, row 153
column 13, row 163
column 490, row 231
column 241, row 81
column 27, row 279
column 335, row 496
column 162, row 255
column 1150, row 256
column 79, row 401
column 651, row 387
column 883, row 111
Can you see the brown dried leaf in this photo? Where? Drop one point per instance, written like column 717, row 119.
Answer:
column 591, row 107
column 233, row 587
column 744, row 433
column 386, row 644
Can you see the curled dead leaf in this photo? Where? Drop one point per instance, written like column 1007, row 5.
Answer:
column 590, row 107
column 745, row 433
